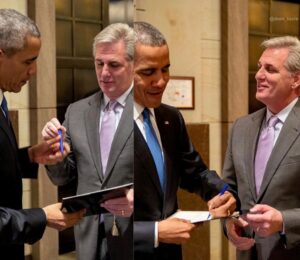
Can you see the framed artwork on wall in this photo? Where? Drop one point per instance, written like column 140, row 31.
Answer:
column 180, row 92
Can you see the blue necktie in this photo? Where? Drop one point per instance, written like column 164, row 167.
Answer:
column 5, row 108
column 154, row 147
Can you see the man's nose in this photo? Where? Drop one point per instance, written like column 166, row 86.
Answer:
column 105, row 70
column 260, row 74
column 161, row 80
column 32, row 69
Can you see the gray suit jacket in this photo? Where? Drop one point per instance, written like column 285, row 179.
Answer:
column 281, row 184
column 83, row 163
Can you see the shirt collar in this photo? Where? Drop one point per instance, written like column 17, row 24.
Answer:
column 283, row 114
column 1, row 96
column 138, row 110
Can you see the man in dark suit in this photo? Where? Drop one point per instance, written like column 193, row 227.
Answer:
column 19, row 47
column 96, row 236
column 263, row 159
column 156, row 236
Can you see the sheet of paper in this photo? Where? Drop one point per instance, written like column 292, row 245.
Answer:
column 193, row 216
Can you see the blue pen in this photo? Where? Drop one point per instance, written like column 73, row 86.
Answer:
column 61, row 143
column 223, row 190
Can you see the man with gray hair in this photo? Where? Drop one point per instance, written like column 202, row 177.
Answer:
column 99, row 133
column 19, row 48
column 262, row 162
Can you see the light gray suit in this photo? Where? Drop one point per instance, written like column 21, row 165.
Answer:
column 84, row 163
column 281, row 184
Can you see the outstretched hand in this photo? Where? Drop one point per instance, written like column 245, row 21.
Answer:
column 58, row 220
column 48, row 152
column 265, row 220
column 174, row 230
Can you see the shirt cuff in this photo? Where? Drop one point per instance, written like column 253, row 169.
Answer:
column 282, row 233
column 156, row 243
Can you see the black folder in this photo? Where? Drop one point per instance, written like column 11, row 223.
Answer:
column 91, row 201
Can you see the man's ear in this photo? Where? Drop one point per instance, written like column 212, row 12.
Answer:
column 296, row 83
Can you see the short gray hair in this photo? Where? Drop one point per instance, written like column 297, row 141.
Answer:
column 147, row 34
column 14, row 30
column 292, row 44
column 114, row 33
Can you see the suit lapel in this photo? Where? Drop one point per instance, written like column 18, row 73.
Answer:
column 143, row 155
column 289, row 133
column 92, row 129
column 123, row 132
column 164, row 134
column 8, row 131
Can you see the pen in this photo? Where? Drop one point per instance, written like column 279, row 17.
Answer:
column 61, row 143
column 224, row 188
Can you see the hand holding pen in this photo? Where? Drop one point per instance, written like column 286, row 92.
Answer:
column 61, row 141
column 53, row 129
column 64, row 147
column 223, row 204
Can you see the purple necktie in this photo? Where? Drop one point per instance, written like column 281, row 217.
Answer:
column 263, row 151
column 107, row 132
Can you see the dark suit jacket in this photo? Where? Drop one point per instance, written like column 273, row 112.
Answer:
column 82, row 124
column 280, row 186
column 16, row 226
column 184, row 168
